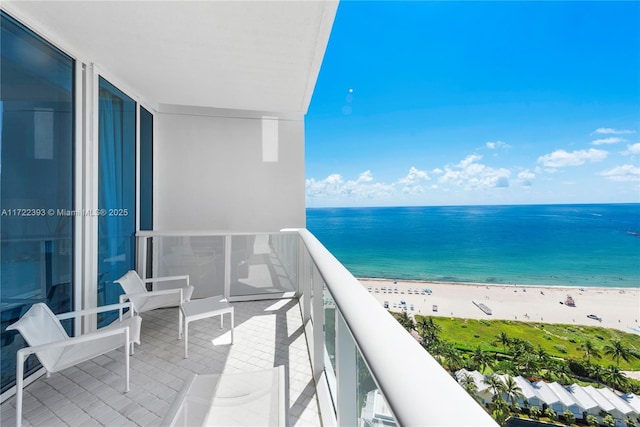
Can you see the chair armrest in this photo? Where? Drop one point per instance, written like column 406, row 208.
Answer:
column 166, row 279
column 147, row 294
column 75, row 340
column 95, row 310
column 151, row 293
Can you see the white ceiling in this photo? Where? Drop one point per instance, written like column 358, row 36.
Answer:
column 250, row 55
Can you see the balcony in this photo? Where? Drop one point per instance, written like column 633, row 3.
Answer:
column 348, row 362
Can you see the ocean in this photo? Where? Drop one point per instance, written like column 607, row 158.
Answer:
column 550, row 245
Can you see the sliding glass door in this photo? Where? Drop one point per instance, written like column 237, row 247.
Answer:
column 116, row 191
column 36, row 185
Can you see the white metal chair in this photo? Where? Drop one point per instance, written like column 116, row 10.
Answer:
column 143, row 300
column 48, row 340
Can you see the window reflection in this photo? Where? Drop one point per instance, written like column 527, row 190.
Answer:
column 36, row 116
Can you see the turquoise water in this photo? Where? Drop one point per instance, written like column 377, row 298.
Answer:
column 563, row 245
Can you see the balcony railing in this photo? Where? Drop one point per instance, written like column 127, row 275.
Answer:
column 368, row 370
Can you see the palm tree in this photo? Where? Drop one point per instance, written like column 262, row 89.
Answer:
column 406, row 321
column 617, row 350
column 520, row 348
column 551, row 414
column 592, row 421
column 561, row 371
column 516, row 409
column 609, row 421
column 469, row 384
column 512, row 389
column 542, row 355
column 614, row 377
column 423, row 324
column 481, row 359
column 535, row 412
column 504, row 339
column 495, row 384
column 429, row 331
column 569, row 417
column 528, row 364
column 452, row 357
column 499, row 410
column 630, row 422
column 595, row 372
column 590, row 350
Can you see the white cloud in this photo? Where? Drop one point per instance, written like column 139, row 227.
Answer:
column 470, row 174
column 526, row 177
column 632, row 149
column 493, row 145
column 562, row 158
column 610, row 140
column 469, row 160
column 329, row 185
column 622, row 173
column 611, row 131
column 414, row 176
column 334, row 186
column 526, row 174
column 411, row 182
column 365, row 177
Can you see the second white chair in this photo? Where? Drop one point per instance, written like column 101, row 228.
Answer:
column 135, row 290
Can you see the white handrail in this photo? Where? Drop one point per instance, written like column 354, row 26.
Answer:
column 418, row 390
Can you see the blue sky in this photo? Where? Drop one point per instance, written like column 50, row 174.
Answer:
column 447, row 103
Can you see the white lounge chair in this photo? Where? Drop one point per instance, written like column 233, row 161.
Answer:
column 245, row 399
column 48, row 340
column 135, row 290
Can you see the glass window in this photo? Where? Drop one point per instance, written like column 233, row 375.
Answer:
column 146, row 170
column 116, row 192
column 36, row 194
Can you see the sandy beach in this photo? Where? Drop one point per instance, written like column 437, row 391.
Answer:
column 617, row 308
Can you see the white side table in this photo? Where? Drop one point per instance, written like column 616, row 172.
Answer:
column 203, row 309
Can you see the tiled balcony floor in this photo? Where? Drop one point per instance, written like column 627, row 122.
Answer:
column 267, row 334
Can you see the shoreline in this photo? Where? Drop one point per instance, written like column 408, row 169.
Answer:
column 519, row 285
column 618, row 308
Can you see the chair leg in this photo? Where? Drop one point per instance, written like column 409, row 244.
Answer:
column 126, row 359
column 179, row 323
column 19, row 384
column 186, row 339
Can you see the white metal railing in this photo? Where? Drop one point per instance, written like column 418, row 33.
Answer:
column 417, row 390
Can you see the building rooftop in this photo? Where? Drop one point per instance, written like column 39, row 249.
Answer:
column 268, row 333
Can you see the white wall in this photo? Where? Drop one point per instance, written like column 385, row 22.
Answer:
column 209, row 172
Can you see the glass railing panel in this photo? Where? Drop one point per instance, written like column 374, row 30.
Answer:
column 201, row 257
column 285, row 247
column 330, row 342
column 330, row 326
column 256, row 268
column 372, row 408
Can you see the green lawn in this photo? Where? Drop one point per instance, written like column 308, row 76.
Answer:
column 553, row 338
